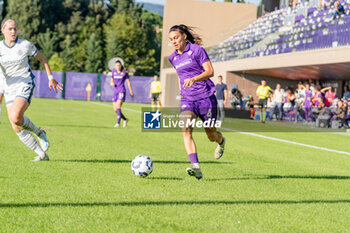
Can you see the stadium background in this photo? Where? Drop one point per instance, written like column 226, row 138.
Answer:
column 285, row 45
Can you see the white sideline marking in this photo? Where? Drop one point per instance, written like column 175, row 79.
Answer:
column 287, row 141
column 258, row 135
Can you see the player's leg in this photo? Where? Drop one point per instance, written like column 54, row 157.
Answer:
column 207, row 109
column 158, row 101
column 16, row 116
column 190, row 145
column 119, row 105
column 1, row 96
column 153, row 101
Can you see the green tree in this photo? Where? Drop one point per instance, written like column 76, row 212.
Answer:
column 67, row 54
column 94, row 55
column 47, row 43
column 126, row 39
column 4, row 8
column 152, row 24
column 56, row 63
column 27, row 16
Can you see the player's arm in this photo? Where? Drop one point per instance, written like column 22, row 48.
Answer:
column 225, row 96
column 111, row 82
column 129, row 86
column 323, row 90
column 208, row 73
column 52, row 82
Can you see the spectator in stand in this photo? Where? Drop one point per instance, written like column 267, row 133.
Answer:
column 307, row 102
column 329, row 95
column 300, row 95
column 277, row 101
column 317, row 97
column 340, row 112
column 290, row 100
column 236, row 97
column 324, row 4
column 221, row 96
column 346, row 105
column 346, row 93
column 337, row 11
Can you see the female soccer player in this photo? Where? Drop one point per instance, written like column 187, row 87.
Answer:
column 19, row 86
column 119, row 75
column 194, row 69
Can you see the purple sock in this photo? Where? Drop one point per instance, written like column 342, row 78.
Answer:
column 193, row 158
column 122, row 115
column 118, row 115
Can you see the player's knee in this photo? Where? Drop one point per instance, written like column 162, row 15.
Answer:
column 16, row 119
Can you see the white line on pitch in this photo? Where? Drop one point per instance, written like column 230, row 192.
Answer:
column 287, row 141
column 108, row 105
column 258, row 135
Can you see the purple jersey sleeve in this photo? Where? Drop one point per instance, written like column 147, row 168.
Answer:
column 201, row 55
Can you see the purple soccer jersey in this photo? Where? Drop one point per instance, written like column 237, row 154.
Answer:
column 188, row 65
column 308, row 95
column 119, row 79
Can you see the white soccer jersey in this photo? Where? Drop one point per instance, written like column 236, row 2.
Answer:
column 14, row 61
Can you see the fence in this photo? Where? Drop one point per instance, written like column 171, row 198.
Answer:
column 75, row 87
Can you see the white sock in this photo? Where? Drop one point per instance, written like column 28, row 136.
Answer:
column 29, row 140
column 0, row 112
column 196, row 165
column 29, row 125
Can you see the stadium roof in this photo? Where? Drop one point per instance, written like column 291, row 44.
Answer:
column 322, row 64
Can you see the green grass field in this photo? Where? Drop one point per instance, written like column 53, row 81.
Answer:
column 260, row 185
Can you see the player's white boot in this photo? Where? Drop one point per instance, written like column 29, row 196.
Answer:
column 41, row 158
column 219, row 151
column 42, row 138
column 125, row 122
column 196, row 172
column 116, row 125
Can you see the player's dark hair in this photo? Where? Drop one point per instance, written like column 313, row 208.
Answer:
column 192, row 37
column 121, row 65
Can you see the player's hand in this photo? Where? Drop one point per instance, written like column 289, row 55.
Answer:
column 56, row 86
column 225, row 102
column 132, row 94
column 188, row 82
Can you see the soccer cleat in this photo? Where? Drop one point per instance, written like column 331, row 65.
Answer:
column 116, row 125
column 219, row 151
column 42, row 138
column 125, row 122
column 39, row 158
column 196, row 172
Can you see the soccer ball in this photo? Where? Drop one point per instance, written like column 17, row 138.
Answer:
column 142, row 165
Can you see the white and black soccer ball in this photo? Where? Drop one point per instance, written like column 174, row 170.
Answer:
column 142, row 165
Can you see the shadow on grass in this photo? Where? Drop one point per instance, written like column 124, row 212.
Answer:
column 164, row 178
column 129, row 161
column 269, row 177
column 80, row 126
column 168, row 203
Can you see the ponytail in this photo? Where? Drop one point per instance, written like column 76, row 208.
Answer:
column 189, row 32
